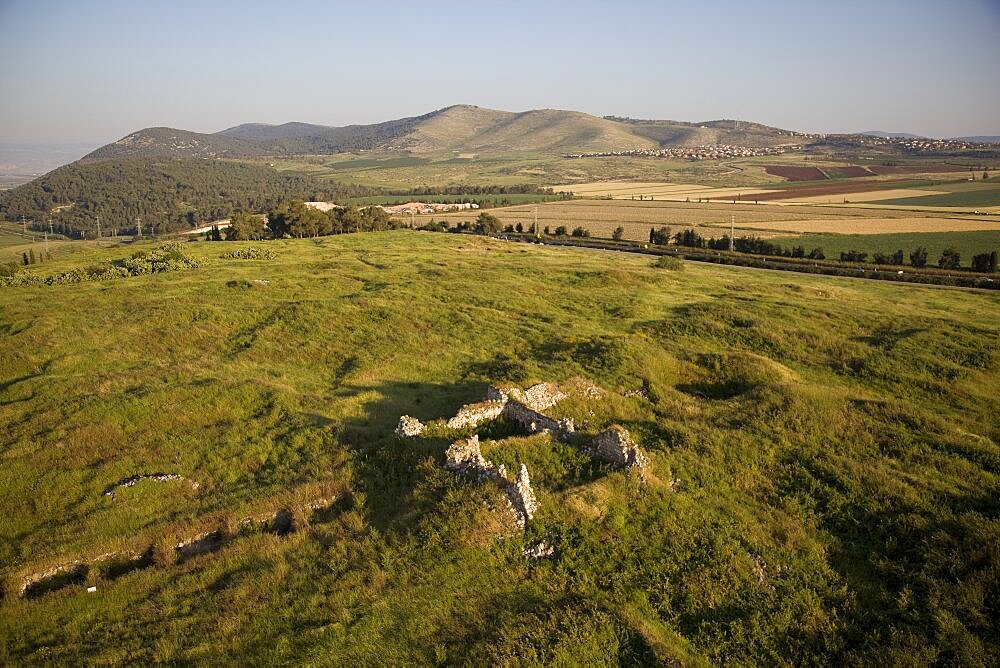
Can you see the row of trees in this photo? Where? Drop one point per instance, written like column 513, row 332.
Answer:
column 295, row 219
column 950, row 258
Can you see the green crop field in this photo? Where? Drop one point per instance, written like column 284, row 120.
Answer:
column 966, row 243
column 822, row 483
column 963, row 194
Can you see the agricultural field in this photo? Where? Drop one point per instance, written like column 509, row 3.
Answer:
column 795, row 471
column 975, row 194
column 601, row 217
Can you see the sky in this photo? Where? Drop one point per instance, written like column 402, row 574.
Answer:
column 92, row 71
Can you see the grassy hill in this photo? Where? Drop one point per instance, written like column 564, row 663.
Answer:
column 822, row 486
column 463, row 128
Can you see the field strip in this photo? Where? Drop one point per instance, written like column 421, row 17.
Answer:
column 874, row 225
column 866, row 196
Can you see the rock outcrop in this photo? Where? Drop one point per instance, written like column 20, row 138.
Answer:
column 615, row 445
column 409, row 426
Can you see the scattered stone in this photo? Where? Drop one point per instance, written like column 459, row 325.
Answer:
column 676, row 485
column 409, row 426
column 646, row 391
column 584, row 387
column 91, row 590
column 615, row 445
column 542, row 396
column 540, row 551
column 759, row 567
column 154, row 477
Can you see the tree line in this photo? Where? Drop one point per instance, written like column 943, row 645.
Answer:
column 295, row 219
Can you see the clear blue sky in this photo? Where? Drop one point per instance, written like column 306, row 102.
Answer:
column 95, row 70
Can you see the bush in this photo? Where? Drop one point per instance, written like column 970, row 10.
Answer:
column 581, row 232
column 667, row 262
column 249, row 253
column 561, row 231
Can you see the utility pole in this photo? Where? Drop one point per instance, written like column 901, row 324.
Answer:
column 536, row 221
column 98, row 227
column 138, row 226
column 732, row 232
column 24, row 226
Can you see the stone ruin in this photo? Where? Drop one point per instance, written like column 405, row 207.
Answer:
column 154, row 477
column 464, row 457
column 409, row 426
column 525, row 407
column 76, row 571
column 615, row 445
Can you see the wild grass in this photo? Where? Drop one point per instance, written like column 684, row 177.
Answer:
column 842, row 434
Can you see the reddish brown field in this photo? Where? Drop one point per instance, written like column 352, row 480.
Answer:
column 795, row 173
column 882, row 170
column 826, row 189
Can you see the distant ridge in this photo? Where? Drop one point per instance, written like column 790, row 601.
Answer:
column 980, row 139
column 462, row 128
column 891, row 135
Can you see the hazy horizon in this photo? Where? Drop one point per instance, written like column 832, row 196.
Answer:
column 75, row 73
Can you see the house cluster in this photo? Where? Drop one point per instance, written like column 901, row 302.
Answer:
column 716, row 152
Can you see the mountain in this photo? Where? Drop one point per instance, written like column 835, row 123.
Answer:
column 463, row 128
column 980, row 139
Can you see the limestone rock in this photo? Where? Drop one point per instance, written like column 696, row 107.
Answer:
column 615, row 445
column 543, row 395
column 472, row 415
column 464, row 456
column 522, row 498
column 540, row 550
column 409, row 426
column 535, row 422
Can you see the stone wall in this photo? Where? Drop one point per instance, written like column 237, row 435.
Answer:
column 472, row 415
column 464, row 456
column 535, row 422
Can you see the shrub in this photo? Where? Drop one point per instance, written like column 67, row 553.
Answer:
column 250, row 253
column 667, row 262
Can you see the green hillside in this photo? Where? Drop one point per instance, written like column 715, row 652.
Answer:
column 165, row 193
column 822, row 485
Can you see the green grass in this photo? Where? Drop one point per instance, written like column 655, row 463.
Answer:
column 964, row 194
column 844, row 433
column 966, row 243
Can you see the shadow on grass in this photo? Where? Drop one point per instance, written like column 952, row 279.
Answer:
column 387, row 469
